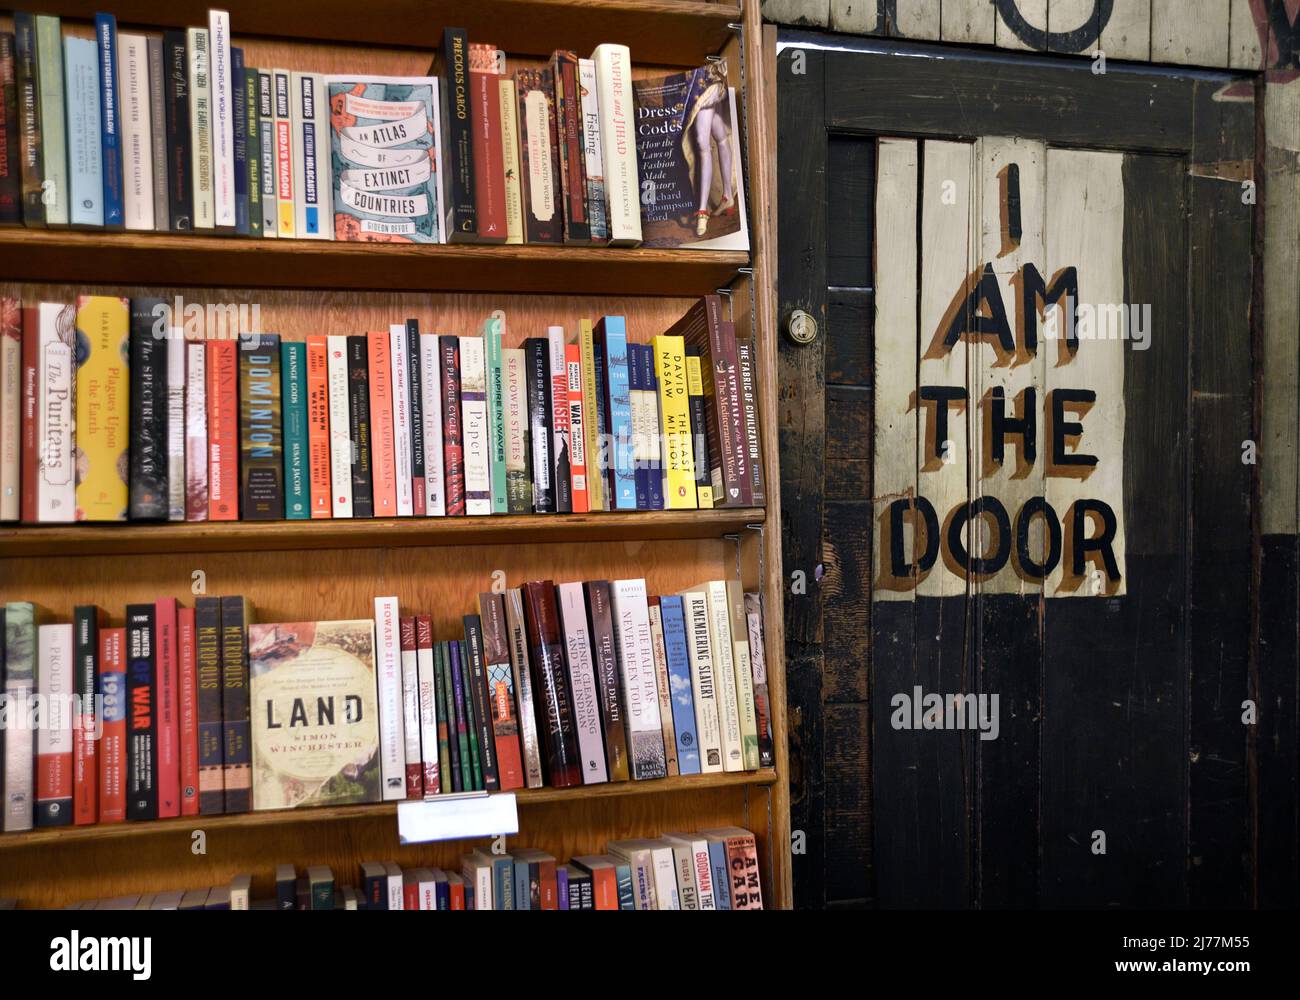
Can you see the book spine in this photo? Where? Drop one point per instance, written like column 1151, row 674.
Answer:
column 158, row 133
column 142, row 734
column 261, row 451
column 11, row 407
column 742, row 868
column 252, row 119
column 223, row 430
column 340, row 453
column 746, row 368
column 180, row 167
column 427, row 684
column 133, row 66
column 239, row 141
column 478, row 680
column 440, row 747
column 388, row 661
column 469, row 689
column 591, row 419
column 103, row 412
column 411, row 727
column 552, row 685
column 501, row 691
column 85, row 746
column 474, row 416
column 605, row 650
column 675, row 423
column 168, row 707
column 453, row 446
column 539, row 423
column 285, row 173
column 731, row 420
column 431, row 411
column 236, row 729
column 223, row 134
column 54, row 155
column 448, row 735
column 187, row 666
column 677, row 657
column 19, row 758
column 615, row 104
column 637, row 393
column 654, row 427
column 618, row 406
column 573, row 174
column 29, row 118
column 700, row 452
column 489, row 171
column 176, row 361
column 465, row 771
column 384, row 458
column 522, row 676
column 724, row 653
column 721, row 877
column 514, row 192
column 561, row 460
column 519, row 486
column 662, row 684
column 592, row 153
column 11, row 188
column 318, row 426
column 538, row 157
column 85, row 174
column 293, row 396
column 207, row 650
column 494, row 372
column 149, row 496
column 201, row 128
column 457, row 144
column 311, row 216
column 113, row 741
column 577, row 429
column 54, row 739
column 415, row 394
column 640, row 689
column 744, row 674
column 582, row 682
column 56, row 492
column 360, row 427
column 29, row 418
column 758, row 660
column 267, row 138
column 402, row 455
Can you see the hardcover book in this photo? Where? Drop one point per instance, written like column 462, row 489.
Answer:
column 55, row 413
column 461, row 224
column 616, row 108
column 724, row 654
column 453, row 441
column 112, row 745
column 211, row 743
column 519, row 486
column 11, row 407
column 388, row 667
column 382, row 439
column 411, row 708
column 678, row 661
column 430, row 721
column 86, row 623
column 201, row 128
column 175, row 425
column 54, row 156
column 251, row 121
column 608, row 682
column 582, row 682
column 477, row 430
column 573, row 170
column 358, row 362
column 577, row 428
column 662, row 684
column 286, row 174
column 196, row 431
column 158, row 133
column 501, row 690
column 510, row 160
column 222, row 363
column 149, row 417
column 640, row 688
column 239, row 141
column 561, row 460
column 479, row 690
column 415, row 401
column 29, row 118
column 311, row 157
column 539, row 158
column 142, row 729
column 735, row 597
column 103, row 412
column 261, row 454
column 267, row 138
column 758, row 660
column 495, row 375
column 611, row 347
column 293, row 405
column 340, row 441
column 137, row 132
column 435, row 497
column 180, row 169
column 675, row 423
column 11, row 188
column 593, row 152
column 21, row 621
column 703, row 457
column 594, row 444
column 747, row 388
column 522, row 676
column 85, row 170
column 538, row 357
column 318, row 426
column 236, row 753
column 188, row 695
column 315, row 719
column 223, row 134
column 551, row 684
column 485, row 139
column 167, row 700
column 54, row 754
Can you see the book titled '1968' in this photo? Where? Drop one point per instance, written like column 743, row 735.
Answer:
column 261, row 458
column 315, row 717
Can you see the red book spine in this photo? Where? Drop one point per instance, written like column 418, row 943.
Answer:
column 318, row 426
column 577, row 421
column 550, row 886
column 453, row 443
column 384, row 462
column 187, row 659
column 85, row 737
column 489, row 166
column 30, row 423
column 604, row 886
column 457, row 895
column 501, row 702
column 411, row 896
column 223, row 430
column 169, row 748
column 112, row 744
column 411, row 712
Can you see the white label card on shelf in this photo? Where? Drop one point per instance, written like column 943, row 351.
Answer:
column 456, row 817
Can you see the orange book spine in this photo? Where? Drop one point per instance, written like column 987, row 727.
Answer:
column 384, row 453
column 318, row 426
column 223, row 430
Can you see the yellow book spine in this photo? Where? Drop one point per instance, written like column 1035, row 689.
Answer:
column 675, row 423
column 695, row 387
column 510, row 159
column 103, row 407
column 596, row 498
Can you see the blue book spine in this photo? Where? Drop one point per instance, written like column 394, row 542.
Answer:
column 521, row 886
column 240, row 131
column 503, row 882
column 293, row 403
column 655, row 470
column 442, row 895
column 562, row 886
column 110, row 122
column 679, row 683
column 623, row 875
column 81, row 91
column 622, row 478
column 721, row 879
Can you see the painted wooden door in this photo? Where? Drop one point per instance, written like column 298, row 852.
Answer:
column 1017, row 479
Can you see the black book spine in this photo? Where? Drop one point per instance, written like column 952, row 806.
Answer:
column 11, row 188
column 286, row 891
column 697, row 404
column 363, row 500
column 148, row 478
column 453, row 431
column 458, row 155
column 478, row 680
column 85, row 638
column 414, row 380
column 207, row 642
column 261, row 447
column 252, row 149
column 538, row 360
column 236, row 728
column 29, row 117
column 239, row 121
column 142, row 730
column 180, row 184
column 745, row 376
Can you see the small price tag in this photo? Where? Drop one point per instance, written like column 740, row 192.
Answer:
column 457, row 817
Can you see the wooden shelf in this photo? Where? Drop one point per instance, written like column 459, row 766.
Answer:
column 667, row 32
column 19, row 541
column 70, row 256
column 337, row 814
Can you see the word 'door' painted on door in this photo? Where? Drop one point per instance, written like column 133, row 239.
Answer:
column 1000, row 335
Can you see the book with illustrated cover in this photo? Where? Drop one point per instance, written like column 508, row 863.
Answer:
column 315, row 713
column 688, row 151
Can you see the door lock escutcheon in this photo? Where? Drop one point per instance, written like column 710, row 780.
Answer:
column 800, row 327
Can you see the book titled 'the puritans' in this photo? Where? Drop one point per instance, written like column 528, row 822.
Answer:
column 148, row 483
column 261, row 456
column 315, row 714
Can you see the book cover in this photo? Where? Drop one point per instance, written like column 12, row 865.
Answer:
column 201, row 128
column 315, row 720
column 435, row 498
column 318, row 426
column 476, row 428
column 430, row 720
column 522, row 676
column 516, row 430
column 582, row 682
column 694, row 874
column 222, row 364
column 510, row 166
column 55, row 413
column 267, row 138
column 611, row 345
column 180, row 167
column 103, row 410
column 261, row 448
column 743, row 885
column 54, row 155
column 655, row 479
column 577, row 428
column 461, row 223
column 239, row 141
column 758, row 661
column 293, row 405
column 561, row 459
column 340, row 440
column 85, row 170
column 207, row 661
column 411, row 727
column 495, row 377
column 11, row 188
column 236, row 751
column 223, row 131
column 11, row 407
column 311, row 157
column 568, row 121
column 167, row 700
column 747, row 379
column 158, row 133
column 593, row 156
column 616, row 107
column 608, row 680
column 503, row 714
column 382, row 441
column 286, row 173
column 739, row 625
column 86, row 625
column 678, row 662
column 538, row 356
column 675, row 423
column 539, row 157
column 662, row 684
column 724, row 655
column 251, row 119
column 551, row 686
column 415, row 397
column 137, row 131
column 149, row 493
column 359, row 426
column 188, row 697
column 703, row 458
column 453, row 441
column 708, row 720
column 403, row 456
column 142, row 727
column 388, row 667
column 489, row 168
column 111, row 683
column 631, row 615
column 480, row 692
column 54, row 735
column 592, row 419
column 176, row 374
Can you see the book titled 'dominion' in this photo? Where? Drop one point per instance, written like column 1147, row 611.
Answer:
column 315, row 714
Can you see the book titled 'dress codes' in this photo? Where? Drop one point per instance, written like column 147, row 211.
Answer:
column 387, row 181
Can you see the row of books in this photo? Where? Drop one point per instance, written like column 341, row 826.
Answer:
column 173, row 131
column 202, row 711
column 710, row 870
column 107, row 414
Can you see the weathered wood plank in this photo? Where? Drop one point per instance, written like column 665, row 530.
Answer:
column 814, row 13
column 1190, row 32
column 849, row 350
column 847, row 734
column 917, row 19
column 854, row 17
column 851, row 161
column 1127, row 34
column 1007, row 35
column 1074, row 25
column 967, row 21
column 1244, row 48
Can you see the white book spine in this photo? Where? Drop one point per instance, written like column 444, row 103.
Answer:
column 708, row 732
column 582, row 682
column 309, row 214
column 702, row 869
column 688, row 893
column 618, row 142
column 665, row 873
column 411, row 715
column 324, row 164
column 560, row 432
column 11, row 347
column 196, row 431
column 54, row 685
column 401, row 417
column 201, row 126
column 725, row 672
column 56, row 485
column 388, row 662
column 479, row 875
column 431, row 398
column 427, row 683
column 473, row 408
column 223, row 119
column 137, row 133
column 266, row 150
column 340, row 435
column 744, row 675
column 176, row 425
column 637, row 670
column 396, row 897
column 285, row 175
column 592, row 151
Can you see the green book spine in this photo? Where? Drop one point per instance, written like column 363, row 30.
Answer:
column 254, row 154
column 54, row 139
column 454, row 720
column 463, row 723
column 471, row 718
column 496, row 419
column 293, row 402
column 440, row 696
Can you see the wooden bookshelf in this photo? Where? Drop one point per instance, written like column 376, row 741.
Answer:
column 329, row 569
